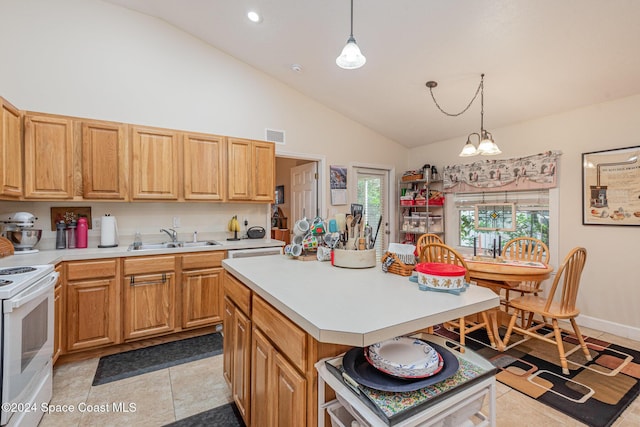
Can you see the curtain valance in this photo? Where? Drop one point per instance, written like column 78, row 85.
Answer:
column 527, row 173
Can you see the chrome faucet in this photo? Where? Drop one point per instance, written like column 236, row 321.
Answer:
column 172, row 233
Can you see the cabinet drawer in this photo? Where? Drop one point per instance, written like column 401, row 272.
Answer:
column 238, row 293
column 285, row 335
column 91, row 269
column 202, row 260
column 155, row 264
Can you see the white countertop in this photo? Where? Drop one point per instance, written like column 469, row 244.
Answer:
column 54, row 256
column 357, row 307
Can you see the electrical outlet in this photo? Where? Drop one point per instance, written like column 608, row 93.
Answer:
column 96, row 223
column 176, row 221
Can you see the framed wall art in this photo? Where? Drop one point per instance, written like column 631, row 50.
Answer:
column 611, row 187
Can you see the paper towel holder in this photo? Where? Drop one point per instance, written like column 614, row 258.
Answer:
column 108, row 232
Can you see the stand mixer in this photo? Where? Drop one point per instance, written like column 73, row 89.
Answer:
column 18, row 228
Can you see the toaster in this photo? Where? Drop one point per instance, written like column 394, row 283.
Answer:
column 256, row 232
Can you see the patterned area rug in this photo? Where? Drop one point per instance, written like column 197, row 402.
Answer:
column 135, row 362
column 225, row 415
column 595, row 392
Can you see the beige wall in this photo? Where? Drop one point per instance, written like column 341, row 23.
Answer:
column 609, row 291
column 88, row 58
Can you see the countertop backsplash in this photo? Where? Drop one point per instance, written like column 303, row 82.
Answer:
column 208, row 219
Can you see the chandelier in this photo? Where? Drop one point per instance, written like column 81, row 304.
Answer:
column 486, row 145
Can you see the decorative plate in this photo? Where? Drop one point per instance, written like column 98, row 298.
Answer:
column 362, row 372
column 404, row 357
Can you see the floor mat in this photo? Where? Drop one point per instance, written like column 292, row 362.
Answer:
column 595, row 392
column 135, row 362
column 225, row 415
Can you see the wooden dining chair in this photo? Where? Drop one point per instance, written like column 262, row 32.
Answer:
column 568, row 277
column 524, row 249
column 439, row 252
column 425, row 239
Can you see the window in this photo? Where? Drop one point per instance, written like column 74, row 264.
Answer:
column 531, row 216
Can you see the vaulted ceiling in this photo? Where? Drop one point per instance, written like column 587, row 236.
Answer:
column 540, row 57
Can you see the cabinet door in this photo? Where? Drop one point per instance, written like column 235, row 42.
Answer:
column 149, row 304
column 10, row 151
column 239, row 168
column 48, row 157
column 104, row 157
column 202, row 297
column 154, row 164
column 289, row 395
column 263, row 170
column 240, row 380
column 204, row 167
column 261, row 360
column 227, row 340
column 91, row 307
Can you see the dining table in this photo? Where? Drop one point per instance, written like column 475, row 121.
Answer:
column 499, row 273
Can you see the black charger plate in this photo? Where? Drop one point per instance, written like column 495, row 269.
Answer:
column 361, row 371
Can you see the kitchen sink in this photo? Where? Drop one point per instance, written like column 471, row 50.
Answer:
column 170, row 245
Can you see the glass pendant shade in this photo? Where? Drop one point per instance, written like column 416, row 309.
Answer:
column 351, row 57
column 469, row 149
column 487, row 147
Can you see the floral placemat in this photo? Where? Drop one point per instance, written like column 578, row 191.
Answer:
column 395, row 405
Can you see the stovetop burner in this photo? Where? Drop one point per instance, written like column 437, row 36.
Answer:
column 15, row 270
column 5, row 282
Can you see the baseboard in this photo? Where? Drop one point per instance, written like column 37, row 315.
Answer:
column 618, row 329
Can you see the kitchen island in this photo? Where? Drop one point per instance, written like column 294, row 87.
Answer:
column 283, row 315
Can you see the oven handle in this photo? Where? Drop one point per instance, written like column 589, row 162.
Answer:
column 40, row 290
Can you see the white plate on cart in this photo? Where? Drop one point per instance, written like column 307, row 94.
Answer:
column 361, row 371
column 404, row 357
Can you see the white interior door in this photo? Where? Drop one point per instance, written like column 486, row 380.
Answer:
column 304, row 192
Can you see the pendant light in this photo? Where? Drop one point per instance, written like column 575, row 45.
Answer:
column 351, row 57
column 486, row 145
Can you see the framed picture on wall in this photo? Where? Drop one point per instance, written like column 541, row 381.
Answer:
column 611, row 187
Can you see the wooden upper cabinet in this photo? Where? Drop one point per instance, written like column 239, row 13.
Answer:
column 239, row 167
column 10, row 151
column 204, row 167
column 104, row 160
column 48, row 157
column 264, row 171
column 251, row 167
column 155, row 164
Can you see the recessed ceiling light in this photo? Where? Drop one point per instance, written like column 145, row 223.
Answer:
column 296, row 67
column 253, row 16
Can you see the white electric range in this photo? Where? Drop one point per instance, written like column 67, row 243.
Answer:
column 27, row 295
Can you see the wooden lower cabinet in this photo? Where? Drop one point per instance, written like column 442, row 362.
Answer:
column 202, row 293
column 149, row 286
column 240, row 378
column 281, row 377
column 92, row 304
column 278, row 390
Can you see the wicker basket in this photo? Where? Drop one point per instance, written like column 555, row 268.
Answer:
column 398, row 267
column 414, row 177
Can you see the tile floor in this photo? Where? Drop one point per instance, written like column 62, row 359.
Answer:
column 178, row 392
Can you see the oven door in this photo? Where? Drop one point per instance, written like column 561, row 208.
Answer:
column 27, row 342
